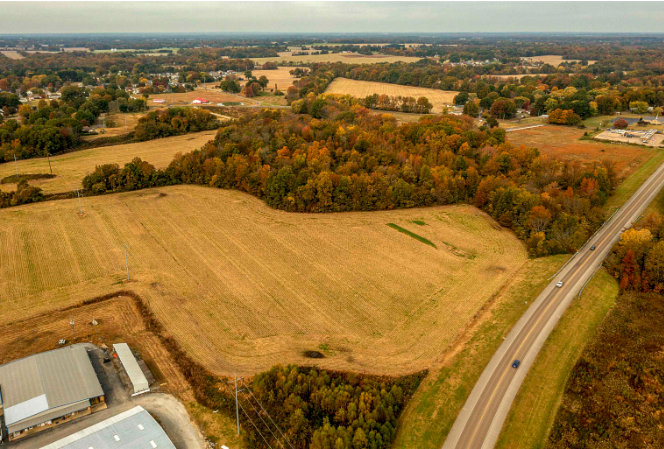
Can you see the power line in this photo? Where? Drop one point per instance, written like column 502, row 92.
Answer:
column 268, row 415
column 268, row 427
column 252, row 422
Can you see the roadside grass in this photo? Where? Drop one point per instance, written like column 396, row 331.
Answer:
column 412, row 234
column 215, row 426
column 429, row 416
column 534, row 409
column 594, row 122
column 634, row 181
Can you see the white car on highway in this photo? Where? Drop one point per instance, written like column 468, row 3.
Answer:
column 559, row 284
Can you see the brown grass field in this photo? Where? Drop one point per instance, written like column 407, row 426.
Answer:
column 350, row 58
column 555, row 60
column 71, row 168
column 119, row 130
column 213, row 95
column 12, row 54
column 243, row 287
column 562, row 142
column 281, row 77
column 361, row 89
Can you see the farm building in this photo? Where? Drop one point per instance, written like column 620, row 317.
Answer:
column 200, row 100
column 132, row 429
column 46, row 389
column 159, row 100
column 138, row 380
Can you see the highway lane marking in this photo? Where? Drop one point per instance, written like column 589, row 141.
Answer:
column 609, row 234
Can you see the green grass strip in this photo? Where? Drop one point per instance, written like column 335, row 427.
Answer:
column 412, row 234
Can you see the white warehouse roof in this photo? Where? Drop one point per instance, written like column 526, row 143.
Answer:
column 35, row 386
column 133, row 429
column 130, row 364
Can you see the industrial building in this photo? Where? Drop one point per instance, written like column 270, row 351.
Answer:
column 45, row 389
column 133, row 429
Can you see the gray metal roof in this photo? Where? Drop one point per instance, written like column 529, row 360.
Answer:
column 135, row 429
column 130, row 364
column 45, row 381
column 48, row 415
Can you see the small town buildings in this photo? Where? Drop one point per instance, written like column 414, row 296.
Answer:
column 45, row 389
column 132, row 429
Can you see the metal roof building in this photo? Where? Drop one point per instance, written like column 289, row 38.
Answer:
column 133, row 429
column 47, row 386
column 134, row 371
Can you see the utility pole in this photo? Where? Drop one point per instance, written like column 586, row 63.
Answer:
column 80, row 207
column 48, row 155
column 237, row 411
column 125, row 116
column 15, row 165
column 73, row 332
column 127, row 262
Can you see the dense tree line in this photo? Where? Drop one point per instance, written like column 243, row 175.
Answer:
column 329, row 410
column 637, row 260
column 584, row 93
column 172, row 122
column 350, row 159
column 613, row 398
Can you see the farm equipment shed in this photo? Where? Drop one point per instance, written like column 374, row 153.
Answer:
column 131, row 366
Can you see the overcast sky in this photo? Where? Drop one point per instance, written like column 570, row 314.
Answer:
column 411, row 17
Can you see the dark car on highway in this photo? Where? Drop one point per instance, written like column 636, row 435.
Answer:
column 516, row 363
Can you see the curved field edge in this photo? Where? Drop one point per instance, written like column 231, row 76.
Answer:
column 429, row 416
column 70, row 168
column 534, row 409
column 243, row 287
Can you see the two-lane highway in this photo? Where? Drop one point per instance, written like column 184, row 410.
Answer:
column 479, row 422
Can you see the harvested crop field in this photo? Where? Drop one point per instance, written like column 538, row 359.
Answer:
column 349, row 58
column 124, row 124
column 71, row 168
column 213, row 95
column 243, row 287
column 361, row 89
column 555, row 60
column 281, row 77
column 12, row 54
column 562, row 142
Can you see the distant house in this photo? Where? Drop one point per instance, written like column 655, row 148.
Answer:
column 200, row 100
column 159, row 100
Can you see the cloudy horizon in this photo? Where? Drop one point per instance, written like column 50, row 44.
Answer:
column 329, row 17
